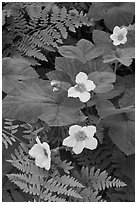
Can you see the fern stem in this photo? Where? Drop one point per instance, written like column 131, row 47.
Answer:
column 12, row 135
column 98, row 121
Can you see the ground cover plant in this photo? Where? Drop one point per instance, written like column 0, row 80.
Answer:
column 68, row 102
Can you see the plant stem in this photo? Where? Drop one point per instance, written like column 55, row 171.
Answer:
column 115, row 68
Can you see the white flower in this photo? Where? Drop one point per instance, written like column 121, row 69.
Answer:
column 82, row 88
column 80, row 138
column 42, row 154
column 119, row 35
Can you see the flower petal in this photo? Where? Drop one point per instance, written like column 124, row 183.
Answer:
column 124, row 31
column 84, row 97
column 116, row 42
column 46, row 147
column 124, row 40
column 36, row 150
column 90, row 143
column 117, row 30
column 78, row 148
column 69, row 142
column 38, row 141
column 89, row 85
column 89, row 130
column 74, row 129
column 40, row 159
column 72, row 92
column 113, row 37
column 46, row 164
column 81, row 77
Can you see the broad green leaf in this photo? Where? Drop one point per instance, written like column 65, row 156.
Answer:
column 89, row 50
column 111, row 57
column 35, row 99
column 73, row 66
column 102, row 41
column 62, row 116
column 103, row 88
column 105, row 108
column 102, row 77
column 113, row 13
column 124, row 56
column 83, row 51
column 69, row 66
column 103, row 81
column 118, row 88
column 97, row 65
column 16, row 71
column 71, row 52
column 122, row 133
column 128, row 98
column 59, row 76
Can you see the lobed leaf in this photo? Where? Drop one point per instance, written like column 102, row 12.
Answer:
column 16, row 71
column 83, row 51
column 113, row 13
column 121, row 132
column 124, row 56
column 36, row 99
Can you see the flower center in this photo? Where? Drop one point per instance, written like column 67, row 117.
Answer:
column 80, row 136
column 80, row 87
column 120, row 37
column 45, row 153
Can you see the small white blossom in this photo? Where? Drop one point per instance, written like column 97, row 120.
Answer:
column 82, row 88
column 55, row 89
column 42, row 154
column 119, row 35
column 80, row 138
column 56, row 85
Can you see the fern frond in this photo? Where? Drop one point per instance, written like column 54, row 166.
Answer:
column 36, row 185
column 25, row 48
column 60, row 188
column 115, row 183
column 42, row 26
column 7, row 140
column 9, row 129
column 101, row 158
column 22, row 181
column 68, row 180
column 47, row 196
column 37, row 181
column 90, row 196
column 99, row 180
column 8, row 125
column 22, row 162
column 66, row 166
